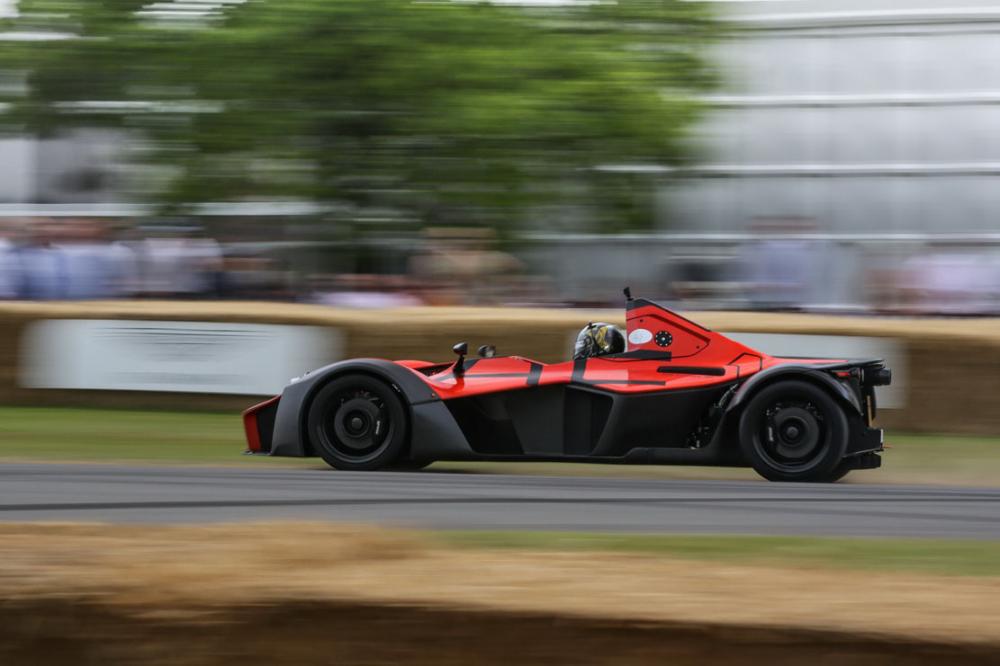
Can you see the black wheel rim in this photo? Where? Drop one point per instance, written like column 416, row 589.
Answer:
column 792, row 435
column 356, row 425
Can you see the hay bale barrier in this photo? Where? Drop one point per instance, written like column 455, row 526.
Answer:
column 952, row 364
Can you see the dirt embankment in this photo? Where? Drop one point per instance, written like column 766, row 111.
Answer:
column 354, row 633
column 305, row 594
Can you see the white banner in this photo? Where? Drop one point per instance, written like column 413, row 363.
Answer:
column 188, row 357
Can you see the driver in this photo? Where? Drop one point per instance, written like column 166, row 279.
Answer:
column 598, row 339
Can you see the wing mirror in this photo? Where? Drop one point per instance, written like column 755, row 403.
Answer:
column 461, row 349
column 487, row 351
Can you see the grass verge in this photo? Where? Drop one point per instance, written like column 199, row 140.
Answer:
column 98, row 435
column 936, row 556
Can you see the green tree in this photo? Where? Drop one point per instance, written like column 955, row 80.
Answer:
column 442, row 111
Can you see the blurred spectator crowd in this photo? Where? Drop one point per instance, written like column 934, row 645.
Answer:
column 779, row 265
column 46, row 259
column 79, row 259
column 789, row 266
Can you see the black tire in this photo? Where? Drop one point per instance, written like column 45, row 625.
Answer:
column 407, row 465
column 357, row 422
column 839, row 472
column 794, row 430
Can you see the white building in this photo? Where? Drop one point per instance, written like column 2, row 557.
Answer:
column 860, row 115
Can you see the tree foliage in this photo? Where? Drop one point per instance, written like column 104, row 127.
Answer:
column 446, row 110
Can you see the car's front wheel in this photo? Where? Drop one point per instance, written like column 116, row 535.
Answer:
column 793, row 430
column 357, row 422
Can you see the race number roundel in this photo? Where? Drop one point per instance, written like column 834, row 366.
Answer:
column 640, row 336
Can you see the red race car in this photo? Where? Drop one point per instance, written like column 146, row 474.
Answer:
column 666, row 391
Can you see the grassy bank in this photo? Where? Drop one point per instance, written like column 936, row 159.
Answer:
column 63, row 434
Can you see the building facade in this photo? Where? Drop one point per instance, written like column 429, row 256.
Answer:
column 856, row 116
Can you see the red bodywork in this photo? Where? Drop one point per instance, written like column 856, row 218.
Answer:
column 693, row 357
column 251, row 425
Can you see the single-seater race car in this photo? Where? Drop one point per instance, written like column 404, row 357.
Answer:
column 666, row 391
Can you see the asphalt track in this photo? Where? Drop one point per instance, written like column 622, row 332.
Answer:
column 159, row 494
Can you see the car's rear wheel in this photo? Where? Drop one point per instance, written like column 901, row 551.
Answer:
column 794, row 430
column 408, row 465
column 357, row 422
column 839, row 472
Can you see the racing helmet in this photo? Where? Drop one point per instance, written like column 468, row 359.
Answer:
column 598, row 339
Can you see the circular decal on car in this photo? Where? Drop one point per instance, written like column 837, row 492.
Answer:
column 664, row 339
column 640, row 336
